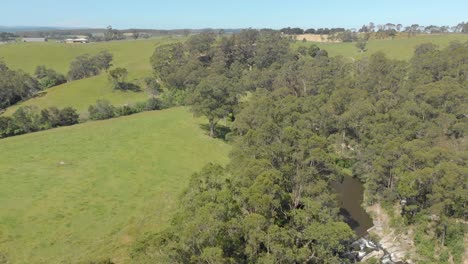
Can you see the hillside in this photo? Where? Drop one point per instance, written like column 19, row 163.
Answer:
column 133, row 55
column 401, row 48
column 78, row 193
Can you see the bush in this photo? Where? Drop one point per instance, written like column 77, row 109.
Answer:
column 153, row 104
column 101, row 110
column 68, row 116
column 6, row 126
column 26, row 120
column 126, row 110
column 173, row 98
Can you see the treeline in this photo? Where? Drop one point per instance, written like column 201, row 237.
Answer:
column 16, row 85
column 29, row 119
column 318, row 31
column 103, row 109
column 389, row 28
column 7, row 36
column 401, row 125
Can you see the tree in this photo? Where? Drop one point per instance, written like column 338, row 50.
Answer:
column 48, row 77
column 81, row 67
column 153, row 86
column 15, row 86
column 135, row 34
column 112, row 34
column 361, row 45
column 118, row 76
column 214, row 98
column 313, row 50
column 103, row 60
column 26, row 120
column 85, row 66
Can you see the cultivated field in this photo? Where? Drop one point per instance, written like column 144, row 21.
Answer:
column 86, row 192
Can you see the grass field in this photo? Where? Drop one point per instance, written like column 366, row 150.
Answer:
column 401, row 48
column 133, row 55
column 119, row 178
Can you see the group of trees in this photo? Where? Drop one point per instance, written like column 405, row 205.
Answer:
column 113, row 34
column 85, row 66
column 48, row 77
column 28, row 119
column 380, row 31
column 400, row 124
column 7, row 36
column 15, row 86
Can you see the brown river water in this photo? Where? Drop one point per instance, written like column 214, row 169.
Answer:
column 350, row 196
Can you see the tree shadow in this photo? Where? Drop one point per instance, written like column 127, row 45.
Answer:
column 39, row 94
column 126, row 86
column 220, row 131
column 348, row 219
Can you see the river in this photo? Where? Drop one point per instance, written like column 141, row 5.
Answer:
column 350, row 196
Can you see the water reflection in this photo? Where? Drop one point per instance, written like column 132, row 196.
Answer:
column 350, row 196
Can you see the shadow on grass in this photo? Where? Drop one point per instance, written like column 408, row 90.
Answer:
column 39, row 94
column 220, row 131
column 126, row 86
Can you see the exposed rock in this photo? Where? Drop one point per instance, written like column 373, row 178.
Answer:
column 400, row 246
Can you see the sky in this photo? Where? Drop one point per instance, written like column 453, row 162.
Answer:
column 177, row 14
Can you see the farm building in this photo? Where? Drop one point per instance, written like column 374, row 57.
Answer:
column 77, row 40
column 34, row 40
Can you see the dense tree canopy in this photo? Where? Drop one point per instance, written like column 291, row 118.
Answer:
column 15, row 86
column 401, row 126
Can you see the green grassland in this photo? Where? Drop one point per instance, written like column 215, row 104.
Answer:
column 133, row 55
column 119, row 178
column 400, row 48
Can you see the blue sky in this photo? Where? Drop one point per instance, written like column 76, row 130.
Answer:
column 172, row 14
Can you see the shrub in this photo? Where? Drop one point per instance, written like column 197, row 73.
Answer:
column 153, row 104
column 126, row 110
column 26, row 120
column 6, row 126
column 173, row 98
column 101, row 110
column 68, row 116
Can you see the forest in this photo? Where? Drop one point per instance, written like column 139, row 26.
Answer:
column 298, row 120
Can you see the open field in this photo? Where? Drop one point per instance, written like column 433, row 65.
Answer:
column 400, row 48
column 80, row 193
column 133, row 55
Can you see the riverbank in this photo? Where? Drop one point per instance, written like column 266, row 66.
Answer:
column 399, row 244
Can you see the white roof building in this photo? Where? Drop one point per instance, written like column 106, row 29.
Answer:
column 34, row 39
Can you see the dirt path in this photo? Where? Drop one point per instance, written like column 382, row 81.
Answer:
column 399, row 244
